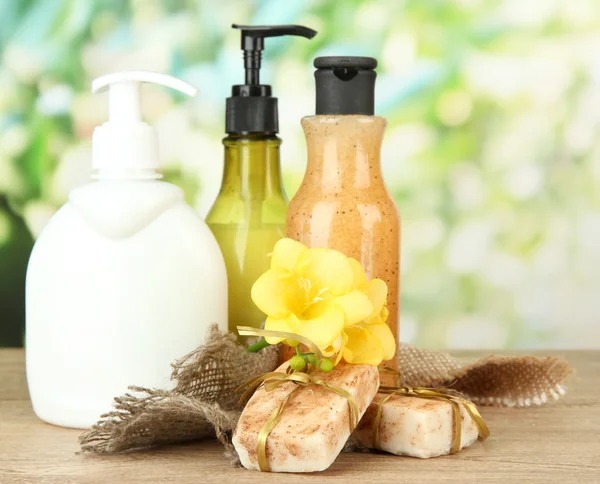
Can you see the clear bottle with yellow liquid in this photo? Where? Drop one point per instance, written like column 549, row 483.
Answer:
column 247, row 218
column 249, row 214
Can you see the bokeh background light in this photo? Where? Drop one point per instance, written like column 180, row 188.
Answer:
column 492, row 150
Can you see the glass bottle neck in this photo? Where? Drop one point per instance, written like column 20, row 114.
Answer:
column 252, row 169
column 343, row 152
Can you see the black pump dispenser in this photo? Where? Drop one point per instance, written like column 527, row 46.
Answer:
column 345, row 85
column 251, row 109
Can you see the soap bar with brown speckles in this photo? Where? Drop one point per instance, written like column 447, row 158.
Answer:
column 314, row 425
column 416, row 427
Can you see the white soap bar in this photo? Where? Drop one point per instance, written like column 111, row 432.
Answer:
column 314, row 426
column 415, row 427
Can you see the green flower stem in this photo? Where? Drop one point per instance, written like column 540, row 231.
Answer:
column 259, row 345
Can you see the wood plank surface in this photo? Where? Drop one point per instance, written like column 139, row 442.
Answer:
column 559, row 443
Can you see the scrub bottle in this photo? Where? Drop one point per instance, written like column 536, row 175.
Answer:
column 343, row 202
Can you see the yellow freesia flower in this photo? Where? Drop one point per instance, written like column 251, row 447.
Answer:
column 324, row 296
column 310, row 292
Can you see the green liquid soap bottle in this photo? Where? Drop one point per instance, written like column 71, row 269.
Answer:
column 249, row 214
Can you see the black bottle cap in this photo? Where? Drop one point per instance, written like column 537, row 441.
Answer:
column 345, row 85
column 251, row 109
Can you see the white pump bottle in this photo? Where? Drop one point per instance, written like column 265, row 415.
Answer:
column 124, row 279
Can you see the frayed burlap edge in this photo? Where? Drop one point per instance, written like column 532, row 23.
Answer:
column 148, row 418
column 506, row 381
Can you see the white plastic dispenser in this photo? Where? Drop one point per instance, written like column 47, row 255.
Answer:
column 124, row 279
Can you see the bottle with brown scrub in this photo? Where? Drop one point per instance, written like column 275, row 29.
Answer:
column 343, row 202
column 248, row 216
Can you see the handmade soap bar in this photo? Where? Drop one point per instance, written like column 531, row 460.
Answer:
column 314, row 425
column 417, row 427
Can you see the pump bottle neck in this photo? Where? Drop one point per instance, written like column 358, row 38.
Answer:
column 252, row 169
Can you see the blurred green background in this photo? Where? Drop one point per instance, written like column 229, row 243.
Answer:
column 492, row 150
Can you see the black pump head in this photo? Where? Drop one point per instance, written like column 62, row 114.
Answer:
column 345, row 85
column 253, row 40
column 251, row 109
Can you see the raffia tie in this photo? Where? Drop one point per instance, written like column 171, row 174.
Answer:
column 442, row 394
column 270, row 381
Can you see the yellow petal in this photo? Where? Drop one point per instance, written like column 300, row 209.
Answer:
column 385, row 313
column 296, row 295
column 285, row 324
column 388, row 342
column 363, row 347
column 326, row 269
column 359, row 272
column 341, row 351
column 286, row 254
column 334, row 347
column 269, row 293
column 376, row 290
column 317, row 307
column 356, row 306
column 324, row 329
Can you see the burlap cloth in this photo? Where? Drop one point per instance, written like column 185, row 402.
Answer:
column 203, row 403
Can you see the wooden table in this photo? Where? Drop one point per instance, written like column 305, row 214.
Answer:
column 558, row 443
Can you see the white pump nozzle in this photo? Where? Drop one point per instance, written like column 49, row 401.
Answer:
column 125, row 142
